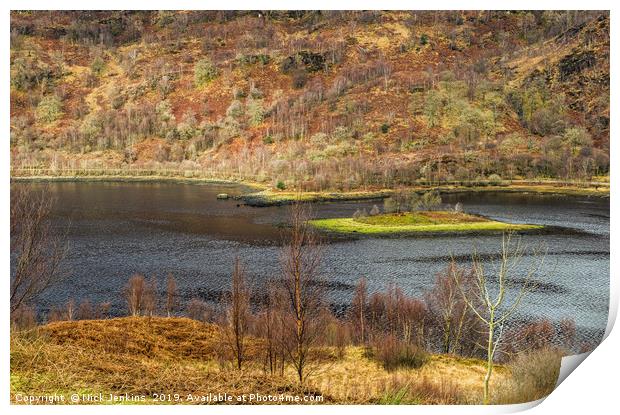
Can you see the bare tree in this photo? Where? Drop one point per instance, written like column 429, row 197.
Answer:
column 200, row 310
column 269, row 327
column 448, row 308
column 487, row 300
column 359, row 306
column 103, row 310
column 300, row 261
column 70, row 310
column 149, row 298
column 85, row 310
column 237, row 314
column 37, row 248
column 134, row 294
column 171, row 295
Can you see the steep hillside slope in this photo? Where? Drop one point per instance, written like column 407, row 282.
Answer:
column 316, row 100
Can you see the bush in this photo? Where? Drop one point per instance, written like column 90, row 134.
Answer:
column 235, row 109
column 49, row 109
column 577, row 138
column 534, row 375
column 204, row 72
column 495, row 179
column 280, row 185
column 429, row 200
column 300, row 77
column 256, row 112
column 393, row 353
column 199, row 310
column 97, row 66
column 385, row 128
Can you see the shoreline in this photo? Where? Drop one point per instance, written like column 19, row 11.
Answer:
column 140, row 179
column 270, row 197
column 260, row 195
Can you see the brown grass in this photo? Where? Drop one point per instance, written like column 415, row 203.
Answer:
column 141, row 355
column 533, row 376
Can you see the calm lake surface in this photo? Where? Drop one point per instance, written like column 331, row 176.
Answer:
column 117, row 229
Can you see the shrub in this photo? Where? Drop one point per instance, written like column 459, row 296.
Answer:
column 385, row 128
column 164, row 110
column 393, row 353
column 49, row 109
column 235, row 110
column 188, row 128
column 256, row 112
column 429, row 200
column 319, row 139
column 256, row 93
column 204, row 72
column 577, row 138
column 511, row 143
column 280, row 185
column 534, row 376
column 199, row 310
column 97, row 66
column 300, row 77
column 495, row 179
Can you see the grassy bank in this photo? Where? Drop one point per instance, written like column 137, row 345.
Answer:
column 146, row 356
column 417, row 223
column 275, row 198
column 270, row 197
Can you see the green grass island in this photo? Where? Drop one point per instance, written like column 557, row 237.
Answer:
column 420, row 222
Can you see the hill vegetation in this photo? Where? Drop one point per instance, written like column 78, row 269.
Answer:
column 314, row 100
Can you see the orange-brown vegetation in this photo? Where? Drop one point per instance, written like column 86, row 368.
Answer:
column 319, row 100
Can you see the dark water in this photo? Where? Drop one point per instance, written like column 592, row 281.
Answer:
column 117, row 229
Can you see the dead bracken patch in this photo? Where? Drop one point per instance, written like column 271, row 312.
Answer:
column 146, row 355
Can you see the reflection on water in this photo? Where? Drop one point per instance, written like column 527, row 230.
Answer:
column 117, row 229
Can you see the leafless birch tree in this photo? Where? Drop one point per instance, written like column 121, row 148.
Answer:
column 37, row 249
column 134, row 294
column 452, row 316
column 300, row 261
column 488, row 299
column 359, row 309
column 171, row 295
column 237, row 317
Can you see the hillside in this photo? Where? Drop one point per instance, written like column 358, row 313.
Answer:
column 143, row 356
column 318, row 100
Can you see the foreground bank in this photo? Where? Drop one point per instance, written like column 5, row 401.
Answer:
column 159, row 360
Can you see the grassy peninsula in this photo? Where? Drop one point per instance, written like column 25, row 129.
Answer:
column 418, row 223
